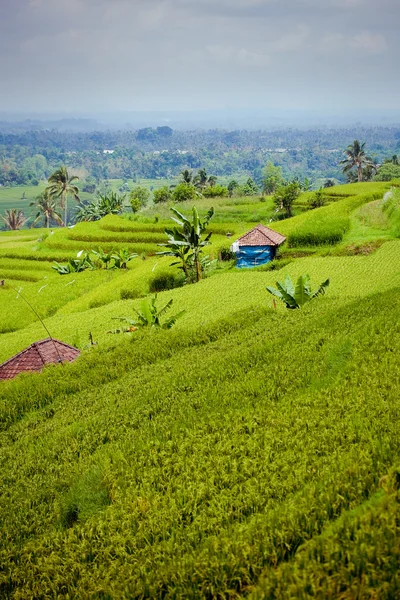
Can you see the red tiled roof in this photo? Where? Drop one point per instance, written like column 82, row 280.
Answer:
column 37, row 356
column 261, row 236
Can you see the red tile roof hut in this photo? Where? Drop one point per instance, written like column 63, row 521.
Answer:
column 257, row 247
column 37, row 356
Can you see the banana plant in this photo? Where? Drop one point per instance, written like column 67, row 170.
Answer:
column 104, row 257
column 75, row 265
column 148, row 315
column 122, row 257
column 186, row 243
column 295, row 296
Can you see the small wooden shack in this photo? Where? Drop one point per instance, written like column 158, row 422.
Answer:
column 257, row 247
column 37, row 356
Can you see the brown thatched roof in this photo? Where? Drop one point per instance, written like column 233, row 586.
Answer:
column 37, row 356
column 261, row 236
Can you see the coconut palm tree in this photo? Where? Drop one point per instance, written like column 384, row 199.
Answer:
column 46, row 207
column 356, row 157
column 61, row 186
column 200, row 181
column 187, row 176
column 14, row 219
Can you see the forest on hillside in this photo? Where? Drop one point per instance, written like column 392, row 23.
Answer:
column 29, row 156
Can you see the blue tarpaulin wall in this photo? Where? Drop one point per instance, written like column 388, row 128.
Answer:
column 253, row 256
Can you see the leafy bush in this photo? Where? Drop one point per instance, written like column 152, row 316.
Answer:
column 108, row 204
column 215, row 191
column 162, row 195
column 184, row 192
column 317, row 200
column 285, row 196
column 387, row 172
column 130, row 294
column 250, row 188
column 226, row 254
column 165, row 281
column 139, row 198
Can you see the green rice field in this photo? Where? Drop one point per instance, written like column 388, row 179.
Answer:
column 249, row 452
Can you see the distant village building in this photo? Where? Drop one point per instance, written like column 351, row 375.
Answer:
column 108, row 151
column 257, row 247
column 37, row 356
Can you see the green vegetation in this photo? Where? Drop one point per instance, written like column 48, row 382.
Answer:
column 285, row 196
column 148, row 315
column 357, row 159
column 249, row 450
column 186, row 243
column 14, row 219
column 296, row 296
column 107, row 204
column 61, row 186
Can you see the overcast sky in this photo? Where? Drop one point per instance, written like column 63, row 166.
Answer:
column 111, row 55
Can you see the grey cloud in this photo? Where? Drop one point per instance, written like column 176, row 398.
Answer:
column 80, row 54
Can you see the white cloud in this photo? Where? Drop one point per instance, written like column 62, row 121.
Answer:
column 365, row 42
column 291, row 41
column 369, row 42
column 238, row 56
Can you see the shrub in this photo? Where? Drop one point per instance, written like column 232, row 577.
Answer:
column 248, row 189
column 317, row 200
column 165, row 281
column 138, row 198
column 130, row 294
column 162, row 195
column 184, row 192
column 226, row 254
column 285, row 196
column 216, row 191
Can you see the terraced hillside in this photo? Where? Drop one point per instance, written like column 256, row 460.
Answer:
column 249, row 451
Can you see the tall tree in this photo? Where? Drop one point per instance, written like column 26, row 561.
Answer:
column 61, row 186
column 272, row 178
column 46, row 207
column 14, row 219
column 356, row 158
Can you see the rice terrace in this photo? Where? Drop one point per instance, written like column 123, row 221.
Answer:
column 204, row 440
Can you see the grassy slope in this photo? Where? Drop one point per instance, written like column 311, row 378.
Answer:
column 195, row 463
column 185, row 466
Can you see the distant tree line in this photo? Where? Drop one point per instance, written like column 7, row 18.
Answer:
column 31, row 156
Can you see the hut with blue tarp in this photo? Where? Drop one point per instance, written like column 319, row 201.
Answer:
column 257, row 247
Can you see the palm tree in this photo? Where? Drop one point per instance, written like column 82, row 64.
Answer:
column 47, row 208
column 200, row 181
column 356, row 157
column 60, row 186
column 187, row 176
column 14, row 219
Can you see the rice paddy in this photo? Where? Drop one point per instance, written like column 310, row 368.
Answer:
column 250, row 451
